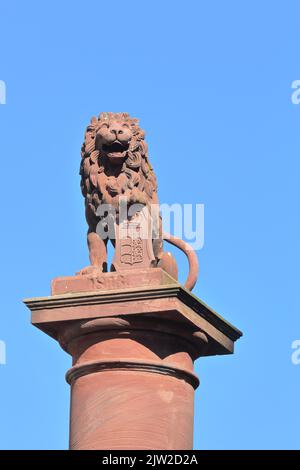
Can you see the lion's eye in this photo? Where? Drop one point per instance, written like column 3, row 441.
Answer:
column 104, row 125
column 125, row 125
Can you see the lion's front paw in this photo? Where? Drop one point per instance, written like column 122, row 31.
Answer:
column 90, row 270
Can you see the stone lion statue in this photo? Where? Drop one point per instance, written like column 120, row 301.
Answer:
column 115, row 167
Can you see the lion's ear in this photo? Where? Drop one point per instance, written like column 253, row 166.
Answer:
column 103, row 117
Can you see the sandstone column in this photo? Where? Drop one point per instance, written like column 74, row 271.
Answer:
column 133, row 337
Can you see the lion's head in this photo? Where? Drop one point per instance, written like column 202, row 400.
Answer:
column 115, row 162
column 115, row 136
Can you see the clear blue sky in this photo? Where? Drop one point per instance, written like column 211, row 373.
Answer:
column 211, row 84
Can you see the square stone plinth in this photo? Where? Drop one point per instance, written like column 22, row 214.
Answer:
column 147, row 293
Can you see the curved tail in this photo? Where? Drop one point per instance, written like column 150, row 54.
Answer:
column 191, row 256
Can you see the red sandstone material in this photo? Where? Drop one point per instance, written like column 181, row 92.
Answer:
column 131, row 388
column 115, row 167
column 133, row 334
column 110, row 281
column 133, row 350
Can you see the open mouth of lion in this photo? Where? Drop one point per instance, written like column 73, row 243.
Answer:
column 116, row 151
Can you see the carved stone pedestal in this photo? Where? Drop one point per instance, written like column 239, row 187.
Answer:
column 133, row 338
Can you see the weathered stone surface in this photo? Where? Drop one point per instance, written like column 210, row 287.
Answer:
column 133, row 350
column 109, row 281
column 116, row 173
column 165, row 299
column 133, row 334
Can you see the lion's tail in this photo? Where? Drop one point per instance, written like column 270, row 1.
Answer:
column 191, row 256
